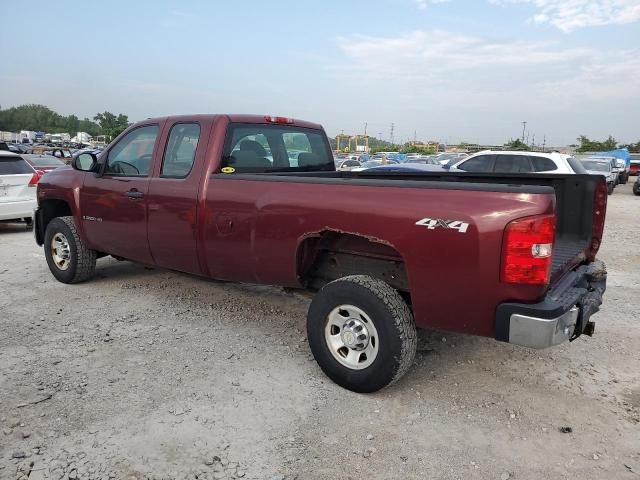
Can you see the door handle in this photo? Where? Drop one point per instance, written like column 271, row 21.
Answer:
column 134, row 194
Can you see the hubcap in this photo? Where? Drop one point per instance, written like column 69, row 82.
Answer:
column 352, row 337
column 60, row 251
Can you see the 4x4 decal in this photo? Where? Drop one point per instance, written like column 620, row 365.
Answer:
column 433, row 223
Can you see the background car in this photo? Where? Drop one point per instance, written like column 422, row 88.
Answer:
column 44, row 163
column 17, row 188
column 348, row 164
column 407, row 168
column 517, row 162
column 634, row 169
column 373, row 163
column 450, row 158
column 598, row 166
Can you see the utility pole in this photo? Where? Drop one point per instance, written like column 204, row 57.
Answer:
column 524, row 125
column 544, row 143
column 533, row 142
column 391, row 135
column 415, row 137
column 366, row 139
column 527, row 138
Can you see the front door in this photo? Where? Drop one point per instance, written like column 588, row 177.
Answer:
column 114, row 205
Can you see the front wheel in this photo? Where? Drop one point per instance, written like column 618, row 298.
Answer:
column 361, row 333
column 69, row 260
column 610, row 188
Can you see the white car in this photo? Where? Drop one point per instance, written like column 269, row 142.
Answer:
column 17, row 188
column 490, row 161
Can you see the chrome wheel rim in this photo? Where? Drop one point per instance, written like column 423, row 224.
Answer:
column 351, row 337
column 60, row 251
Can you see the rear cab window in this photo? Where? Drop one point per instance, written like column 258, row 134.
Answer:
column 14, row 166
column 262, row 148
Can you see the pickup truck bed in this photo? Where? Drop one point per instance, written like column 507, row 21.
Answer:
column 509, row 257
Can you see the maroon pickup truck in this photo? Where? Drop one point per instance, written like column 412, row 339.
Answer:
column 257, row 199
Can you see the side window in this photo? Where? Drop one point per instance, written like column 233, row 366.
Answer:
column 481, row 164
column 181, row 150
column 132, row 155
column 512, row 164
column 542, row 164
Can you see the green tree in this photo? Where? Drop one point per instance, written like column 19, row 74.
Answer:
column 110, row 124
column 632, row 147
column 41, row 118
column 516, row 144
column 588, row 145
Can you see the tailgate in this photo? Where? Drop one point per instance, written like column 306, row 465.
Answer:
column 15, row 188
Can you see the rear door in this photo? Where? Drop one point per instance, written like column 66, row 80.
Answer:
column 114, row 205
column 15, row 175
column 172, row 200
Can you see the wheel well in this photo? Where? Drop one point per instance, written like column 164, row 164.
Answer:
column 331, row 255
column 50, row 209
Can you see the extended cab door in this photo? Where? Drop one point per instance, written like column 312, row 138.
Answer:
column 172, row 200
column 114, row 204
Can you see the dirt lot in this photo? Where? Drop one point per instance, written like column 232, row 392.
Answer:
column 155, row 374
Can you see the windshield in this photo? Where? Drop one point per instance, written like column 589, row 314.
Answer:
column 596, row 166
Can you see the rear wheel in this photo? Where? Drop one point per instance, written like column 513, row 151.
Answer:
column 361, row 333
column 68, row 258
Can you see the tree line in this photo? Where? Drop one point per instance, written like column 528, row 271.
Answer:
column 40, row 118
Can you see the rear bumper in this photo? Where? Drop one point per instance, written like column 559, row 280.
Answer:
column 17, row 210
column 564, row 314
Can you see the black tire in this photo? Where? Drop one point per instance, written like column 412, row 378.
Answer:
column 610, row 188
column 81, row 262
column 624, row 178
column 636, row 191
column 393, row 323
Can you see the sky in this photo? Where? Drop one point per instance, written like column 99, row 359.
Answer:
column 448, row 70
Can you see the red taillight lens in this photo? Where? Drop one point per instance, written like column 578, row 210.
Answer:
column 284, row 120
column 599, row 213
column 527, row 250
column 35, row 178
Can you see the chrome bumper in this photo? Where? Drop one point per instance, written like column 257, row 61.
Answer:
column 535, row 332
column 563, row 314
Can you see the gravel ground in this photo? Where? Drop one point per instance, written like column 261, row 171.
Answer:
column 159, row 375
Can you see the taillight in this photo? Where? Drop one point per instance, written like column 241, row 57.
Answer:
column 527, row 250
column 284, row 120
column 35, row 178
column 599, row 212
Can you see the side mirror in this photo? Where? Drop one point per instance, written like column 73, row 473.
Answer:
column 85, row 162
